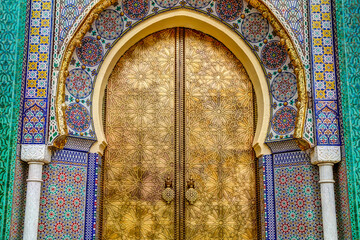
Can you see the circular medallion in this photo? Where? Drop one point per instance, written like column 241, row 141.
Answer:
column 283, row 121
column 273, row 55
column 168, row 195
column 78, row 117
column 229, row 10
column 109, row 24
column 90, row 53
column 198, row 3
column 166, row 3
column 191, row 195
column 284, row 86
column 79, row 83
column 136, row 9
column 255, row 27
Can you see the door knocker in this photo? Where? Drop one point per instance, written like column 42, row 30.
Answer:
column 191, row 194
column 168, row 194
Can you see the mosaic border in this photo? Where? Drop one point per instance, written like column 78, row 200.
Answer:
column 269, row 198
column 91, row 196
column 37, row 84
column 324, row 73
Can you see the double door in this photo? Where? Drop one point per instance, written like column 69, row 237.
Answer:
column 179, row 125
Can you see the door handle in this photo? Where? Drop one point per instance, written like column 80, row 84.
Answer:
column 191, row 194
column 168, row 193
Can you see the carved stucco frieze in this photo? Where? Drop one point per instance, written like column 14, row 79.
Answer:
column 35, row 153
column 326, row 154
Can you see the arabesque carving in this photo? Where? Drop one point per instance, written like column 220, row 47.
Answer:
column 258, row 4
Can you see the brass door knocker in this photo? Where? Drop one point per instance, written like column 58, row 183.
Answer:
column 168, row 194
column 191, row 194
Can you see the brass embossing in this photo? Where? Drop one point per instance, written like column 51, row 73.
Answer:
column 219, row 134
column 140, row 134
column 179, row 115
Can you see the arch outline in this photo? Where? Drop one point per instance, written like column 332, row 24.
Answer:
column 186, row 18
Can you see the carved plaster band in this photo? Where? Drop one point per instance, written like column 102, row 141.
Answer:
column 326, row 154
column 35, row 153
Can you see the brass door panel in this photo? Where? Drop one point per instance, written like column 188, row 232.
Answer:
column 219, row 134
column 140, row 134
column 179, row 105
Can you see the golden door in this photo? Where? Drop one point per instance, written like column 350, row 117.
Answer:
column 179, row 126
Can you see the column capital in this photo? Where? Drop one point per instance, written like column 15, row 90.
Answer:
column 325, row 155
column 33, row 153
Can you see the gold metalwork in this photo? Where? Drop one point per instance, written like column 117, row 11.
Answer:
column 191, row 194
column 219, row 134
column 182, row 110
column 140, row 133
column 180, row 138
column 258, row 4
column 168, row 194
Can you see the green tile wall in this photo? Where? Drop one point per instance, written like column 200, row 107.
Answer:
column 348, row 33
column 12, row 29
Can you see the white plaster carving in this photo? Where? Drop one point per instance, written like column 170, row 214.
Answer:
column 261, row 149
column 35, row 153
column 326, row 154
column 99, row 147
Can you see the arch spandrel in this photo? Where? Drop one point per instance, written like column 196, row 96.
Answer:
column 261, row 66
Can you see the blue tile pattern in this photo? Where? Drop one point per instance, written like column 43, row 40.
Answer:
column 38, row 71
column 297, row 197
column 91, row 196
column 324, row 73
column 269, row 198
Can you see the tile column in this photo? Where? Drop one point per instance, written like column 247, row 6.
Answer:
column 325, row 157
column 36, row 155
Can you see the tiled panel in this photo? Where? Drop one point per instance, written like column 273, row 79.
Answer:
column 269, row 197
column 34, row 121
column 69, row 196
column 18, row 204
column 39, row 51
column 324, row 73
column 297, row 197
column 70, row 157
column 92, row 196
column 39, row 56
column 63, row 201
column 342, row 200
